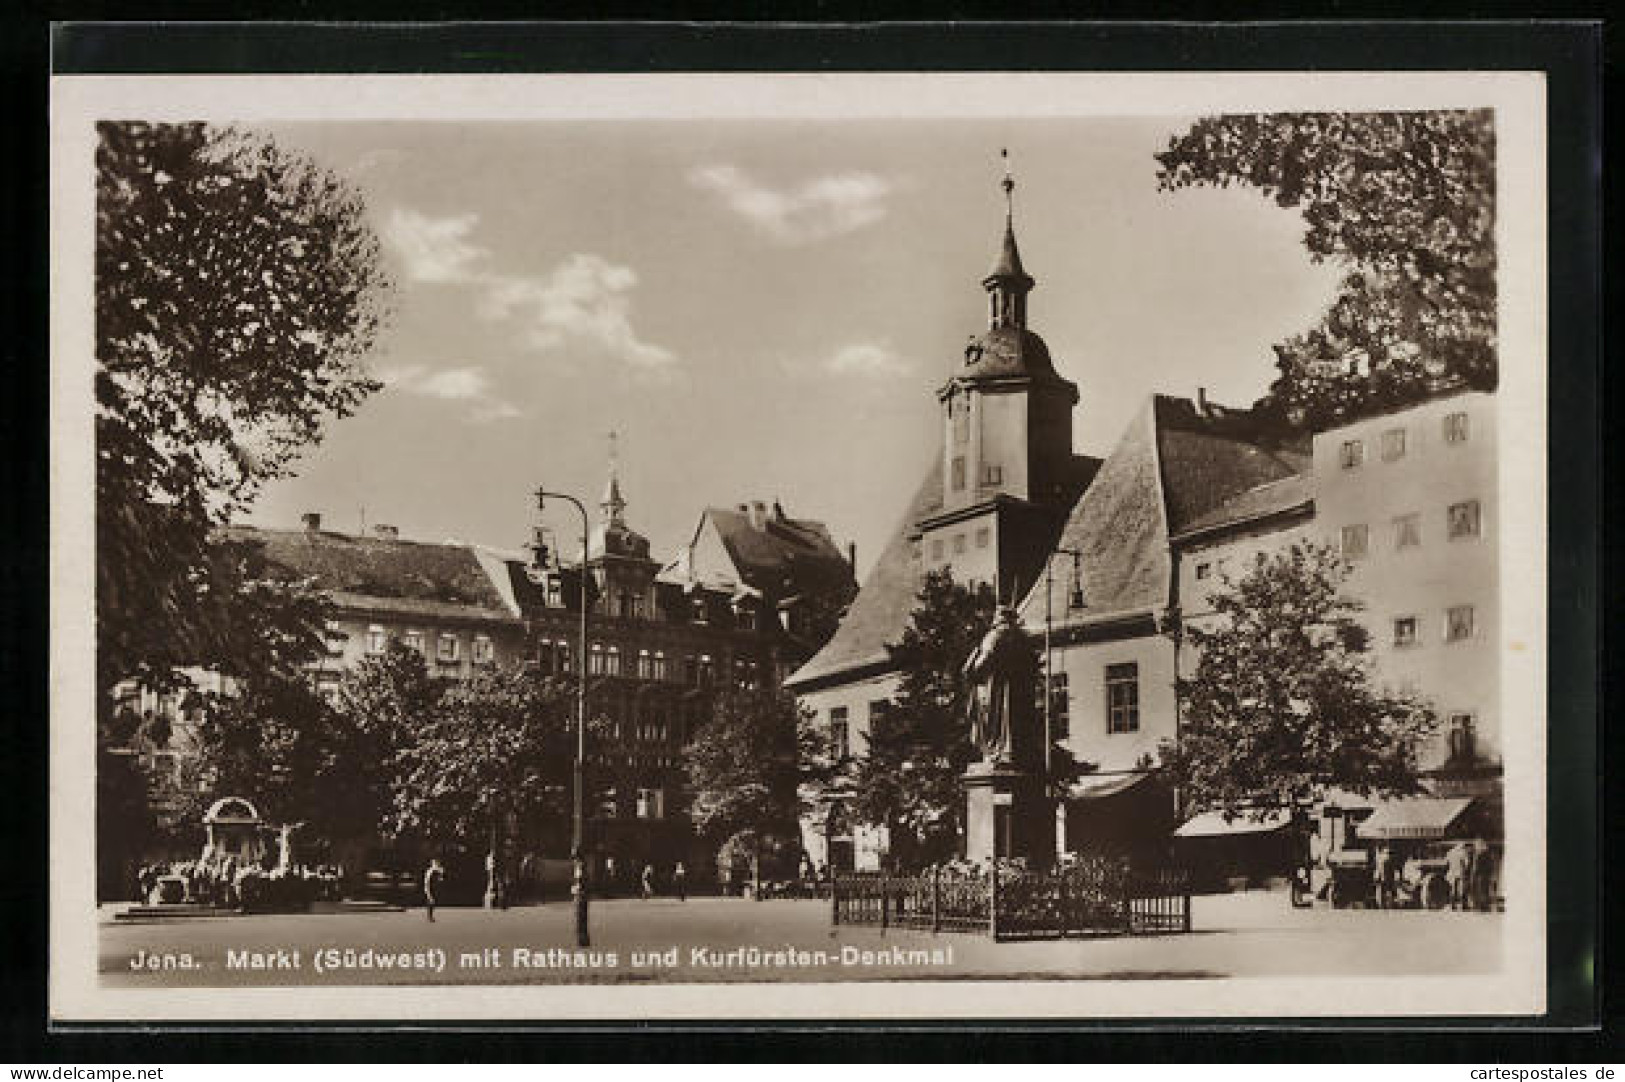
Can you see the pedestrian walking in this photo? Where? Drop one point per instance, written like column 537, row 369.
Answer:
column 432, row 875
column 648, row 881
column 679, row 880
column 1457, row 865
column 1383, row 877
column 609, row 876
column 1483, row 876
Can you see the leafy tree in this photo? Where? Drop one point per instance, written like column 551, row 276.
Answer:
column 752, row 767
column 1282, row 702
column 1407, row 202
column 276, row 741
column 382, row 704
column 499, row 744
column 238, row 286
column 908, row 778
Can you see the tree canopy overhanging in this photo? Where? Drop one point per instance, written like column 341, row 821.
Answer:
column 1405, row 201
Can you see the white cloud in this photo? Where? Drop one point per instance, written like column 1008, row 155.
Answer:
column 868, row 359
column 823, row 207
column 585, row 300
column 434, row 249
column 466, row 384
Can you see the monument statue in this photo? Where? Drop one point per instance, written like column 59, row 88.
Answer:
column 1003, row 672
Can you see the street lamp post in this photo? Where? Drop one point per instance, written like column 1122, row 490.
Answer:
column 578, row 855
column 1074, row 601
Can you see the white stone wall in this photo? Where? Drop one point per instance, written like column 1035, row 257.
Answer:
column 1437, row 573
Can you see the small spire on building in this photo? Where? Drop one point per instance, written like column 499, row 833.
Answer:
column 1008, row 282
column 613, row 505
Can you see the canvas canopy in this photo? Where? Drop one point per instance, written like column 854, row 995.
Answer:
column 1417, row 818
column 1212, row 824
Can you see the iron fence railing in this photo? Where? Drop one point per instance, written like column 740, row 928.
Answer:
column 1090, row 898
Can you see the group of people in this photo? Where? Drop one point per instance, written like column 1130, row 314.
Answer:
column 646, row 887
column 1469, row 877
column 211, row 882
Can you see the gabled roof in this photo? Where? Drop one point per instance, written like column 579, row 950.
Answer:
column 1270, row 498
column 1210, row 453
column 779, row 558
column 1176, row 462
column 1120, row 528
column 449, row 579
column 877, row 616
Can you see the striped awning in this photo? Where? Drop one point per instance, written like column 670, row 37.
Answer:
column 1415, row 818
column 1214, row 824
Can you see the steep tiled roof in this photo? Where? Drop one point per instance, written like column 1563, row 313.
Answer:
column 448, row 579
column 1270, row 498
column 879, row 614
column 1176, row 464
column 785, row 556
column 1210, row 453
column 1119, row 526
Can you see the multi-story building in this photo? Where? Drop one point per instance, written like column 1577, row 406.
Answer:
column 1409, row 498
column 730, row 611
column 1108, row 559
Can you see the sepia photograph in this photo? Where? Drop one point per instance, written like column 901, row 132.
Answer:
column 798, row 546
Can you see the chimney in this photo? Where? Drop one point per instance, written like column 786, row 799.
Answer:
column 743, row 509
column 1201, row 401
column 386, row 533
column 758, row 514
column 312, row 521
column 852, row 556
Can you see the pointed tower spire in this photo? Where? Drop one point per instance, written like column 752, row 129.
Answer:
column 1008, row 283
column 613, row 505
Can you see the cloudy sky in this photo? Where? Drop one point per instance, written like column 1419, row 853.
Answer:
column 761, row 309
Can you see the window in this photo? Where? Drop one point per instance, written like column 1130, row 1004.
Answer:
column 708, row 671
column 697, row 609
column 446, row 648
column 961, row 415
column 555, row 592
column 1455, row 428
column 1407, row 531
column 564, row 657
column 959, row 543
column 1123, row 697
column 1203, row 570
column 1458, row 623
column 984, row 537
column 1393, row 445
column 1464, row 519
column 377, row 640
column 936, row 549
column 646, row 665
column 1463, row 736
column 595, row 660
column 658, row 670
column 1060, row 707
column 413, row 640
column 840, row 737
column 650, row 804
column 992, row 475
column 612, row 661
column 1405, row 631
column 1356, row 541
column 959, row 473
column 1351, row 454
column 484, row 653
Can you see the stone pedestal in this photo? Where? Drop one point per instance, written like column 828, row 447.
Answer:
column 1007, row 814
